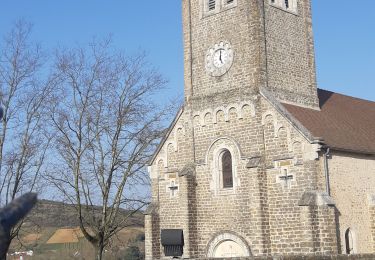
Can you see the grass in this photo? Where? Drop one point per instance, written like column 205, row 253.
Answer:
column 39, row 240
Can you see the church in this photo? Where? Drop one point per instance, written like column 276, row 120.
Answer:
column 259, row 161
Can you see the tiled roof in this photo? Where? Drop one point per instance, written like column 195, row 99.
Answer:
column 344, row 122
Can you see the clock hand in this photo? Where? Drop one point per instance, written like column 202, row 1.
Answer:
column 220, row 57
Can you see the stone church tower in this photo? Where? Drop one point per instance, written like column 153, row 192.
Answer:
column 236, row 171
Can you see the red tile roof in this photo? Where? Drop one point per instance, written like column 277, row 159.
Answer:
column 344, row 122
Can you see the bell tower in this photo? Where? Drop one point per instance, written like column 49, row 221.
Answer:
column 232, row 48
column 290, row 56
column 218, row 175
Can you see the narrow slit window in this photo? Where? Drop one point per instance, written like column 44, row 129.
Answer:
column 287, row 4
column 230, row 1
column 211, row 5
column 226, row 164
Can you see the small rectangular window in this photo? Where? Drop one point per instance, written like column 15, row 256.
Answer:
column 230, row 1
column 211, row 5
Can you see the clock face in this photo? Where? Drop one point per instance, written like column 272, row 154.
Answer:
column 219, row 59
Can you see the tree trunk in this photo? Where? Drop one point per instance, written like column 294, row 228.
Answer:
column 99, row 249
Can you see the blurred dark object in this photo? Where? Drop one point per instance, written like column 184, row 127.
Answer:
column 9, row 217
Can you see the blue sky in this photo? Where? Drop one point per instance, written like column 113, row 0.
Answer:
column 344, row 35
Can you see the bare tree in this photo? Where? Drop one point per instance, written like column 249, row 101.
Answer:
column 106, row 128
column 23, row 136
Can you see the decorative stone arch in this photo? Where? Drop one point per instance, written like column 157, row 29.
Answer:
column 213, row 155
column 226, row 140
column 175, row 137
column 166, row 151
column 293, row 143
column 197, row 118
column 216, row 111
column 232, row 106
column 203, row 116
column 206, row 115
column 163, row 155
column 220, row 240
column 274, row 119
column 241, row 106
column 172, row 143
column 296, row 140
column 276, row 126
column 269, row 113
column 160, row 164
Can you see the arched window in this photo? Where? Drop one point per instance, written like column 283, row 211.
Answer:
column 349, row 242
column 227, row 169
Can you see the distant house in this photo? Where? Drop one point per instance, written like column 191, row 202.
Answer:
column 66, row 238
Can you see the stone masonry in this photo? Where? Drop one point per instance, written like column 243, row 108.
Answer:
column 277, row 204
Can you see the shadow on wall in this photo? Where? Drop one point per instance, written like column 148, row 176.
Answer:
column 338, row 233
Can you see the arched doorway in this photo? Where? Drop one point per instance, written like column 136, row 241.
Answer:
column 229, row 248
column 227, row 244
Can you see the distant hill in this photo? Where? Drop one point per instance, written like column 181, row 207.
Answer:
column 48, row 213
column 47, row 232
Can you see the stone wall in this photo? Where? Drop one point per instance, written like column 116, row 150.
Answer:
column 372, row 227
column 293, row 229
column 290, row 54
column 352, row 182
column 173, row 155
